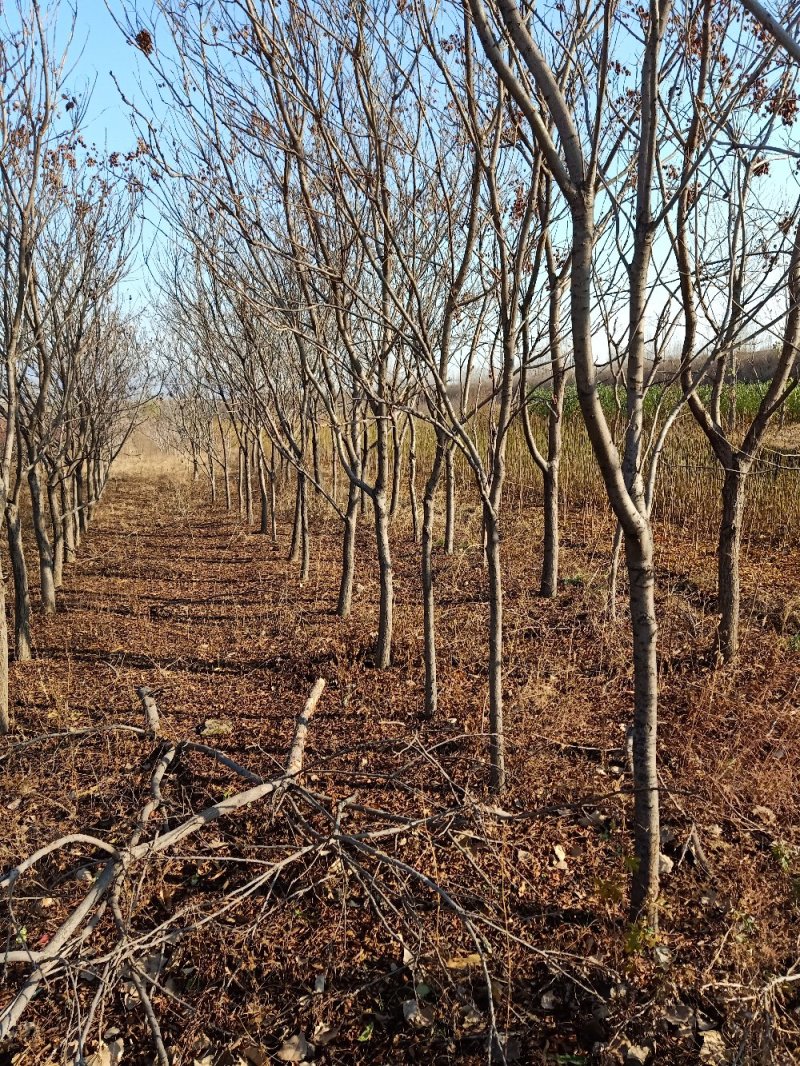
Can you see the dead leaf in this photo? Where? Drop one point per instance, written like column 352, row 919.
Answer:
column 295, row 1049
column 108, row 1054
column 325, row 1034
column 418, row 1014
column 463, row 962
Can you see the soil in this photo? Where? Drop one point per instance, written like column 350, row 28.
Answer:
column 374, row 957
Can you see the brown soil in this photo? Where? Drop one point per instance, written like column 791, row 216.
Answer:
column 169, row 593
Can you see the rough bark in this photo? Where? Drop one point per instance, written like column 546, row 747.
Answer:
column 497, row 767
column 57, row 523
column 345, row 602
column 730, row 535
column 47, row 585
column 22, row 602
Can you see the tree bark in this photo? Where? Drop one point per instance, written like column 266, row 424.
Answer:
column 80, row 499
column 730, row 536
column 497, row 767
column 383, row 653
column 47, row 585
column 68, row 518
column 5, row 715
column 450, row 501
column 345, row 602
column 412, row 478
column 428, row 599
column 646, row 829
column 549, row 584
column 22, row 601
column 57, row 523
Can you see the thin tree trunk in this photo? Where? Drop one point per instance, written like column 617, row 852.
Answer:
column 397, row 464
column 644, row 890
column 212, row 476
column 226, row 470
column 730, row 536
column 273, row 518
column 297, row 522
column 428, row 600
column 412, row 478
column 262, row 489
column 549, row 584
column 5, row 715
column 450, row 501
column 345, row 603
column 383, row 653
column 22, row 601
column 305, row 538
column 240, row 482
column 57, row 523
column 80, row 499
column 248, row 482
column 46, row 576
column 67, row 519
column 497, row 768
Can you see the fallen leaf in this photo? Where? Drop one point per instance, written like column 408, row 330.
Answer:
column 108, row 1054
column 295, row 1049
column 463, row 962
column 418, row 1014
column 325, row 1034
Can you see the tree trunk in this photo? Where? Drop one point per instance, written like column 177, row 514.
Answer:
column 644, row 892
column 305, row 539
column 68, row 519
column 297, row 523
column 248, row 483
column 549, row 585
column 47, row 585
column 397, row 465
column 5, row 714
column 412, row 478
column 22, row 600
column 57, row 523
column 428, row 601
column 262, row 489
column 730, row 536
column 240, row 482
column 345, row 603
column 80, row 500
column 383, row 654
column 212, row 476
column 226, row 472
column 497, row 768
column 450, row 501
column 273, row 517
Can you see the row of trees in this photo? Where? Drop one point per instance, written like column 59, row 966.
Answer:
column 71, row 360
column 403, row 217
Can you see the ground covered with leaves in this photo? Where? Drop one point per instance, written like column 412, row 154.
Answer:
column 384, row 907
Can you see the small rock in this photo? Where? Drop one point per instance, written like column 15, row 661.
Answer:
column 13, row 804
column 662, row 955
column 665, row 865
